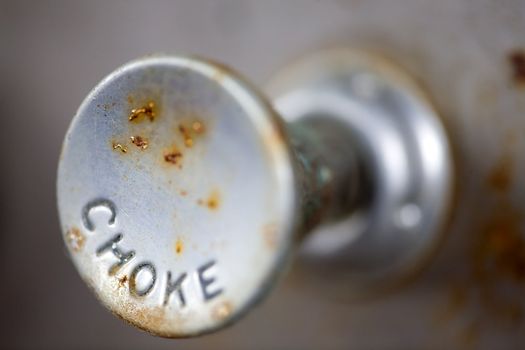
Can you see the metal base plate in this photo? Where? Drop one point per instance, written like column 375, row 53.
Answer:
column 405, row 152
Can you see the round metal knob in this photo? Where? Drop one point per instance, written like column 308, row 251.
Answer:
column 181, row 191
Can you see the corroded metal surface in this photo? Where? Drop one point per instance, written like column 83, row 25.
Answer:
column 458, row 49
column 176, row 195
column 167, row 257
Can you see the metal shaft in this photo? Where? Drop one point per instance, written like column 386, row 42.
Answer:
column 330, row 172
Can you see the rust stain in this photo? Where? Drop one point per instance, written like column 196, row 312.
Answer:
column 179, row 246
column 274, row 139
column 197, row 127
column 139, row 141
column 122, row 281
column 269, row 232
column 146, row 111
column 120, row 147
column 152, row 320
column 183, row 193
column 173, row 157
column 75, row 239
column 188, row 140
column 500, row 254
column 500, row 177
column 495, row 277
column 212, row 202
column 190, row 131
column 516, row 60
column 222, row 311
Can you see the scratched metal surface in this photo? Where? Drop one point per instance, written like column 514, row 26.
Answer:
column 53, row 53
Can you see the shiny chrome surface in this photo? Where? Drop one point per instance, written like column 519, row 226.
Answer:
column 54, row 52
column 404, row 152
column 179, row 196
column 180, row 233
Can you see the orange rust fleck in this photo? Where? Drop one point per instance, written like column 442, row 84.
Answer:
column 213, row 200
column 148, row 111
column 495, row 277
column 222, row 311
column 75, row 239
column 120, row 147
column 198, row 127
column 190, row 132
column 517, row 62
column 500, row 178
column 500, row 253
column 174, row 157
column 139, row 141
column 269, row 232
column 122, row 281
column 188, row 140
column 183, row 193
column 179, row 246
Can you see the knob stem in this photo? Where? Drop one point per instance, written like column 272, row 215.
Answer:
column 330, row 172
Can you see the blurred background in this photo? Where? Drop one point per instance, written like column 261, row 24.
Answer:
column 468, row 55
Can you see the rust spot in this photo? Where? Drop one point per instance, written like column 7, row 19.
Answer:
column 174, row 157
column 500, row 178
column 274, row 139
column 188, row 140
column 190, row 132
column 147, row 111
column 517, row 63
column 179, row 246
column 118, row 146
column 494, row 280
column 183, row 193
column 122, row 281
column 500, row 253
column 75, row 239
column 222, row 311
column 212, row 202
column 152, row 319
column 269, row 232
column 198, row 127
column 139, row 142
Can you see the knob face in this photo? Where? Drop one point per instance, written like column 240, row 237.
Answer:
column 176, row 195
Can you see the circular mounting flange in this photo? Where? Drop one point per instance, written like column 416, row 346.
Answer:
column 158, row 164
column 404, row 151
